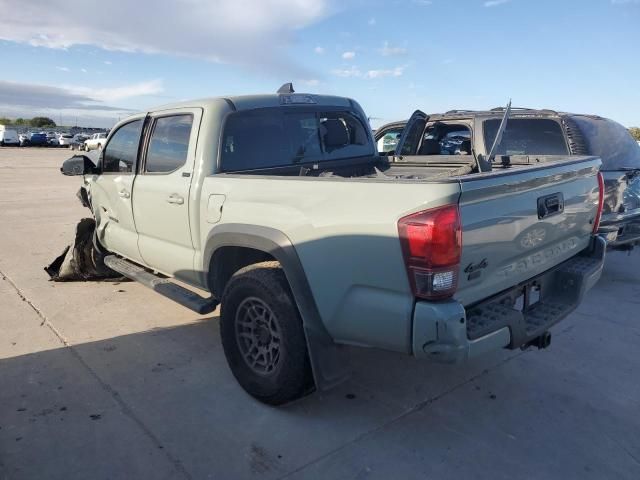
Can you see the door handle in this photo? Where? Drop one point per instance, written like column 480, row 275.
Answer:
column 124, row 194
column 175, row 199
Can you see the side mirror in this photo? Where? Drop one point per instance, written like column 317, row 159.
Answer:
column 78, row 165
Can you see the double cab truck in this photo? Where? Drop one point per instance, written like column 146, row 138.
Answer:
column 280, row 209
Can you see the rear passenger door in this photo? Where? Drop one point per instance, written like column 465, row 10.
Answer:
column 161, row 192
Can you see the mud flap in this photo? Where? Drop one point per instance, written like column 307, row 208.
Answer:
column 83, row 260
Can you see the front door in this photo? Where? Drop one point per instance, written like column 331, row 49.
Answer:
column 410, row 137
column 112, row 191
column 161, row 191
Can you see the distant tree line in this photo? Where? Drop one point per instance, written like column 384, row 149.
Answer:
column 635, row 133
column 39, row 122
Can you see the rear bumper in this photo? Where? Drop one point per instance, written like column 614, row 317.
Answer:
column 447, row 332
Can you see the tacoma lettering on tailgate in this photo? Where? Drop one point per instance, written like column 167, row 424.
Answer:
column 539, row 258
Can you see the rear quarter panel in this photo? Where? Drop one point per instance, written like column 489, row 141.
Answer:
column 345, row 234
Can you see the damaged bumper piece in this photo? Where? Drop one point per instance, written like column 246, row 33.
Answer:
column 82, row 260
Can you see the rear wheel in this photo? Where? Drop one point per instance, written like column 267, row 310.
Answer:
column 262, row 335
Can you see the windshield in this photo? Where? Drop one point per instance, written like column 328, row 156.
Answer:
column 526, row 136
column 610, row 141
column 276, row 137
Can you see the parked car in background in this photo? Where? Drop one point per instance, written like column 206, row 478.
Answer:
column 96, row 141
column 8, row 136
column 38, row 139
column 348, row 248
column 52, row 139
column 77, row 142
column 530, row 136
column 65, row 140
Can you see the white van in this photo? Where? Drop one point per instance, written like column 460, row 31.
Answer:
column 8, row 136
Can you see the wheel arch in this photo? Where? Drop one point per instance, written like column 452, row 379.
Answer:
column 327, row 368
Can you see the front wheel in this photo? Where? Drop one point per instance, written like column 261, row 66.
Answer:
column 262, row 335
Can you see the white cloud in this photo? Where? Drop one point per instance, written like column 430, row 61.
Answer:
column 423, row 3
column 63, row 69
column 355, row 72
column 254, row 33
column 319, row 50
column 388, row 51
column 83, row 70
column 311, row 82
column 347, row 72
column 371, row 22
column 115, row 94
column 108, row 62
column 396, row 72
column 495, row 3
column 349, row 55
column 38, row 97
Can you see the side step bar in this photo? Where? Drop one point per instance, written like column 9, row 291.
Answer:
column 163, row 286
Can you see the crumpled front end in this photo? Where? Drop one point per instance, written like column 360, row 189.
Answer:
column 82, row 260
column 620, row 224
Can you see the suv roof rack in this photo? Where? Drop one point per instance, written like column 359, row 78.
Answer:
column 524, row 109
column 450, row 112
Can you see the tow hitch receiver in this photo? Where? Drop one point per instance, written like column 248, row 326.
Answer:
column 543, row 341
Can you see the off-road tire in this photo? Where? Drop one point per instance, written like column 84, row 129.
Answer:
column 291, row 377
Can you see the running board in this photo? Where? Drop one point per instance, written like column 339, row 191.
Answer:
column 163, row 286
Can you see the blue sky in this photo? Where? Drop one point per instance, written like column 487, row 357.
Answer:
column 391, row 56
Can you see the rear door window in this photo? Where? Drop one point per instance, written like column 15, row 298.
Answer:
column 526, row 136
column 169, row 143
column 267, row 138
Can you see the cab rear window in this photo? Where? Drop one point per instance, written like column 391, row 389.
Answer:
column 277, row 137
column 526, row 136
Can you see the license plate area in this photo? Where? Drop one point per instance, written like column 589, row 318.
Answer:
column 528, row 298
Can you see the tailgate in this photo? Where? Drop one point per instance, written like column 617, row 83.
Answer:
column 520, row 222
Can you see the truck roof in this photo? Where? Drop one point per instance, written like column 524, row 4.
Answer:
column 496, row 112
column 248, row 102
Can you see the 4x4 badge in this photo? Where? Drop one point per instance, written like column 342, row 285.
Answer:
column 474, row 268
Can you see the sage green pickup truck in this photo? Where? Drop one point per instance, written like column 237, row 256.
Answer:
column 280, row 208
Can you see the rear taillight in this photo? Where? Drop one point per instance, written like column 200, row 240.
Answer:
column 431, row 243
column 596, row 221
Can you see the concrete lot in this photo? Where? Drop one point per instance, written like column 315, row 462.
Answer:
column 104, row 380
